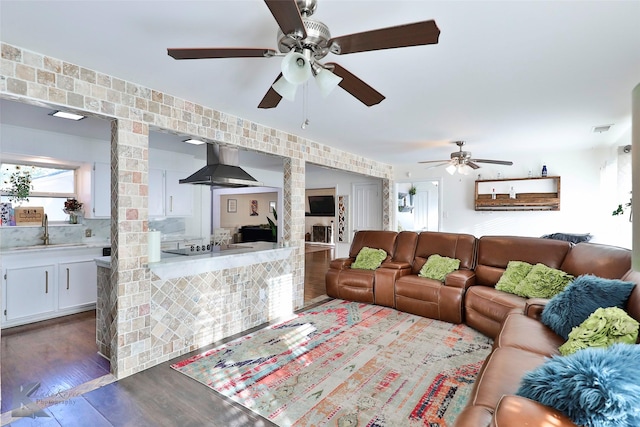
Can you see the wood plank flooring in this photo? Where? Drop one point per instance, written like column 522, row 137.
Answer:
column 61, row 354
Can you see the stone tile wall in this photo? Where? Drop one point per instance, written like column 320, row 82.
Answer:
column 36, row 78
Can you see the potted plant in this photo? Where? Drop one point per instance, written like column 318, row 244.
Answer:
column 19, row 185
column 620, row 209
column 412, row 192
column 273, row 225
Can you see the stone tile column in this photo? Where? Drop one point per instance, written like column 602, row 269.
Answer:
column 293, row 222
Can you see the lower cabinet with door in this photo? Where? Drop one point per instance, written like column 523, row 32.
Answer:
column 51, row 283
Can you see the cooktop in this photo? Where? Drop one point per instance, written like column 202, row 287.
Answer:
column 203, row 249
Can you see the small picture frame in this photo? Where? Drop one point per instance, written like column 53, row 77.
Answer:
column 232, row 205
column 253, row 208
column 272, row 207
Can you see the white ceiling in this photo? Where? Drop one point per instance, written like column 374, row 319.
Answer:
column 506, row 75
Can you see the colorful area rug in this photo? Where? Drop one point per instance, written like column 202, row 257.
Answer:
column 348, row 364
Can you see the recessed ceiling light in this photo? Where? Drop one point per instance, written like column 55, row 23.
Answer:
column 194, row 141
column 601, row 128
column 67, row 115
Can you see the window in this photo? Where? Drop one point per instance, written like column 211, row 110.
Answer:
column 51, row 186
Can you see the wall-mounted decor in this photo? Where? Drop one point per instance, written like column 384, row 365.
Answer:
column 254, row 208
column 272, row 207
column 343, row 225
column 232, row 205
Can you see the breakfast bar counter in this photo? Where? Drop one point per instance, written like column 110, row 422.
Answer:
column 197, row 299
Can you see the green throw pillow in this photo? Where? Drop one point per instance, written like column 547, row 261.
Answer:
column 369, row 259
column 543, row 282
column 437, row 267
column 605, row 327
column 515, row 272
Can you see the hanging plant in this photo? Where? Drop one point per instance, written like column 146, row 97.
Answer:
column 19, row 185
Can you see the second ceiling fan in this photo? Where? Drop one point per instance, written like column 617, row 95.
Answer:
column 305, row 41
column 462, row 161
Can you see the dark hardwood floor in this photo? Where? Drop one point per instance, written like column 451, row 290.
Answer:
column 61, row 354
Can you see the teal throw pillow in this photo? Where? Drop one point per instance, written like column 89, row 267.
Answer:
column 369, row 258
column 543, row 282
column 437, row 267
column 515, row 272
column 605, row 327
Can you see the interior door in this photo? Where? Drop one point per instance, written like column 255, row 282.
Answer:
column 367, row 206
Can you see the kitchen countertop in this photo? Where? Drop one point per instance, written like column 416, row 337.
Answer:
column 51, row 247
column 172, row 265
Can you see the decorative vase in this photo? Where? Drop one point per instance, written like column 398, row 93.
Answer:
column 73, row 218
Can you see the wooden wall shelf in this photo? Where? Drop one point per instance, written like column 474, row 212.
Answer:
column 540, row 193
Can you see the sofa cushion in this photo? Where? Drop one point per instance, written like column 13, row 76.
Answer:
column 525, row 333
column 543, row 282
column 486, row 308
column 369, row 258
column 605, row 327
column 516, row 271
column 501, row 375
column 594, row 387
column 606, row 261
column 581, row 298
column 437, row 267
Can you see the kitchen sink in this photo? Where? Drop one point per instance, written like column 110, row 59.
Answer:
column 50, row 246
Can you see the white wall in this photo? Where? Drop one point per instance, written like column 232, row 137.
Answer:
column 586, row 204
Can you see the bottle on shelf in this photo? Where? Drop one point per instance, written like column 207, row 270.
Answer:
column 493, row 193
column 512, row 193
column 544, row 171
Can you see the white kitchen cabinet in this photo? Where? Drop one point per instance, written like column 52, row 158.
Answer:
column 156, row 193
column 167, row 197
column 178, row 197
column 40, row 284
column 95, row 189
column 77, row 284
column 29, row 291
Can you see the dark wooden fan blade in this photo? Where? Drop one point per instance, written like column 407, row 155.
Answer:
column 473, row 165
column 356, row 87
column 495, row 162
column 436, row 161
column 419, row 33
column 287, row 16
column 271, row 98
column 214, row 52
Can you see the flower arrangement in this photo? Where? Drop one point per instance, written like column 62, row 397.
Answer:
column 19, row 184
column 72, row 205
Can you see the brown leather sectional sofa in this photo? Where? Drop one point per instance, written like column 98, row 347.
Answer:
column 521, row 341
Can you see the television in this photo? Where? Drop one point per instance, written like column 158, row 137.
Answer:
column 321, row 206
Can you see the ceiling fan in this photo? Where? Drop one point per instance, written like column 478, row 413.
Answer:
column 462, row 162
column 304, row 42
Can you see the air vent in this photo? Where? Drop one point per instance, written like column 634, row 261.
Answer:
column 600, row 129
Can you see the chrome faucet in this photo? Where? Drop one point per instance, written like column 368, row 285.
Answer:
column 45, row 224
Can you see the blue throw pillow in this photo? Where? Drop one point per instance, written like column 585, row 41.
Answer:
column 594, row 387
column 582, row 297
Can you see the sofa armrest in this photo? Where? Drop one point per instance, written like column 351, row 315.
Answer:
column 341, row 263
column 534, row 306
column 396, row 265
column 519, row 411
column 460, row 279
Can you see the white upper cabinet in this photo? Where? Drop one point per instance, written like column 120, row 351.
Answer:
column 167, row 197
column 94, row 189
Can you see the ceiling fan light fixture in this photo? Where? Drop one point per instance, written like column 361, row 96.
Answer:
column 296, row 68
column 464, row 169
column 285, row 88
column 451, row 169
column 326, row 81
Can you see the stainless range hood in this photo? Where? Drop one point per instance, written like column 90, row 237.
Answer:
column 222, row 170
